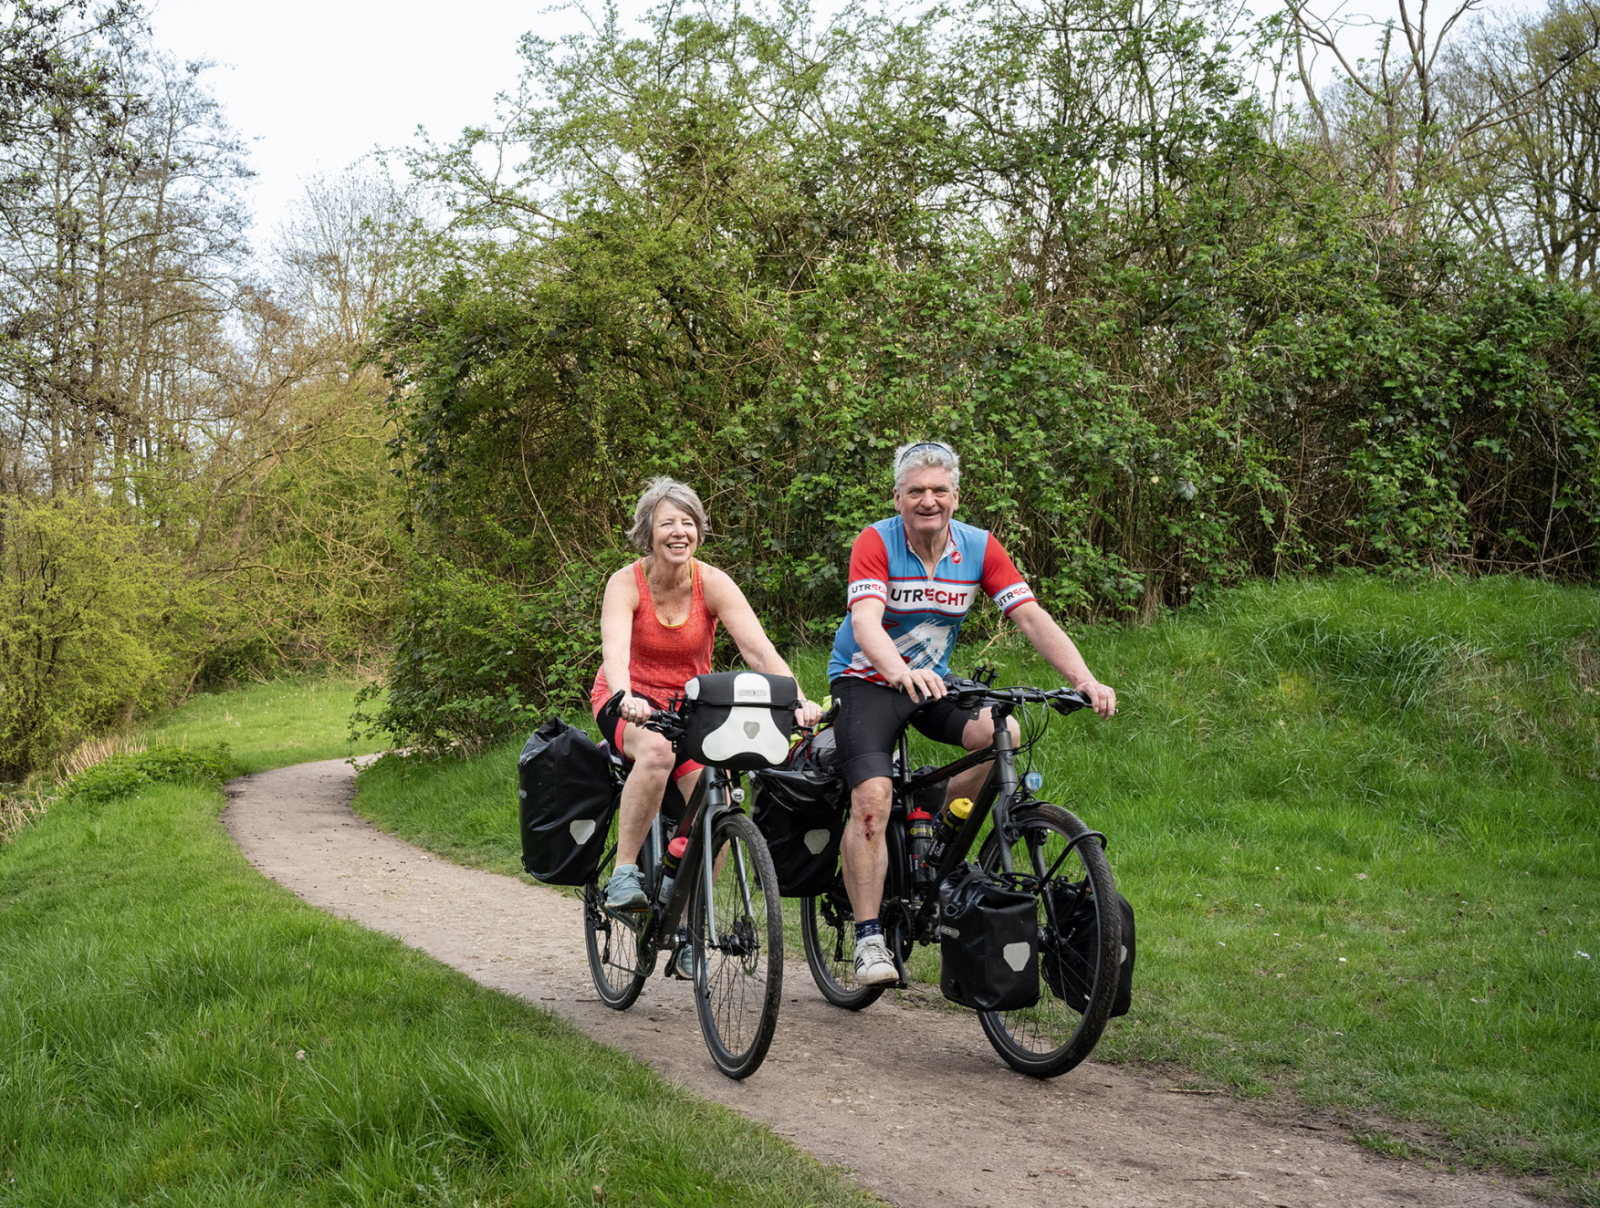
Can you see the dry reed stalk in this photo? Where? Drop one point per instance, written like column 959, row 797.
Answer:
column 93, row 751
column 19, row 808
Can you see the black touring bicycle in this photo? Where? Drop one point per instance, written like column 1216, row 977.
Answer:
column 713, row 916
column 1033, row 934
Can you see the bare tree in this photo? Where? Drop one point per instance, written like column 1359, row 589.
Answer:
column 121, row 247
column 1533, row 179
column 340, row 255
column 1405, row 128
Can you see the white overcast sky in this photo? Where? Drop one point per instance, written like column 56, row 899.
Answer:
column 316, row 84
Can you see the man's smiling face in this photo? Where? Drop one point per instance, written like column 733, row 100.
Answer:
column 926, row 499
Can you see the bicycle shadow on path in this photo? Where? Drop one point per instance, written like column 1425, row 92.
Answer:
column 912, row 1100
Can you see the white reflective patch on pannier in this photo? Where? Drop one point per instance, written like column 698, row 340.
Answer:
column 815, row 841
column 746, row 732
column 582, row 830
column 1016, row 955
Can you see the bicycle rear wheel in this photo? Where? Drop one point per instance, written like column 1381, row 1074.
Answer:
column 1076, row 992
column 738, row 948
column 612, row 945
column 828, row 930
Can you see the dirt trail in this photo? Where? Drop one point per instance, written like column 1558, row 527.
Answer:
column 912, row 1100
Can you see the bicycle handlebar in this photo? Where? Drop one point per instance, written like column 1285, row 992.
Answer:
column 970, row 694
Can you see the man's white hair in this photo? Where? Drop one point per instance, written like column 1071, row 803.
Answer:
column 920, row 453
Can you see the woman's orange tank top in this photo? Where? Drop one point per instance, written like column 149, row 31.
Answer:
column 663, row 658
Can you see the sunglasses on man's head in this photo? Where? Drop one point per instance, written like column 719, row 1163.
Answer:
column 927, row 444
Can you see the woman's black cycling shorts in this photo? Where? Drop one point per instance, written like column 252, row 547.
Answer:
column 871, row 717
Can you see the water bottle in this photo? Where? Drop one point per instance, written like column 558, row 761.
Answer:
column 951, row 819
column 919, row 833
column 669, row 866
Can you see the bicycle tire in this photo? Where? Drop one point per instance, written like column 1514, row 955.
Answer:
column 1051, row 1037
column 830, row 946
column 738, row 980
column 612, row 946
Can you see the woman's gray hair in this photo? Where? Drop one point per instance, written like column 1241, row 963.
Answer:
column 665, row 490
column 920, row 453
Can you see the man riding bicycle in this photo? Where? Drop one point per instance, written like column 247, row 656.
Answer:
column 913, row 579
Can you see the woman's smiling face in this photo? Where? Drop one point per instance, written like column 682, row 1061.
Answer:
column 674, row 536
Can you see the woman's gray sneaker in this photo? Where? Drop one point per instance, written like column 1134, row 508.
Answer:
column 874, row 965
column 684, row 964
column 624, row 891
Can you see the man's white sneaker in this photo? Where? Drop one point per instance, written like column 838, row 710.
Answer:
column 874, row 965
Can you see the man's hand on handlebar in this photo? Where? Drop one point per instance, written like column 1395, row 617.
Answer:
column 808, row 714
column 1101, row 698
column 919, row 683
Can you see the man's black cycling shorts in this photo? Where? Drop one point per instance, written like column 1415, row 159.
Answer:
column 871, row 716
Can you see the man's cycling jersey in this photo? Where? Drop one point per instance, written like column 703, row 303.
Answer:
column 922, row 615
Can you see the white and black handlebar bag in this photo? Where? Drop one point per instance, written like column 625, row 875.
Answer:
column 739, row 719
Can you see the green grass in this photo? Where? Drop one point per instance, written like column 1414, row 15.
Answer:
column 175, row 1029
column 287, row 720
column 1358, row 822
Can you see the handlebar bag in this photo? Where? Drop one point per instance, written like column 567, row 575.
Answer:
column 801, row 812
column 1068, row 953
column 566, row 794
column 988, row 942
column 739, row 719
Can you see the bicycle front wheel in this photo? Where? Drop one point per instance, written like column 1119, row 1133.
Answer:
column 612, row 945
column 737, row 936
column 828, row 930
column 1080, row 948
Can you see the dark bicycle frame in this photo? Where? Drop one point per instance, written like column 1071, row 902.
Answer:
column 1000, row 794
column 716, row 794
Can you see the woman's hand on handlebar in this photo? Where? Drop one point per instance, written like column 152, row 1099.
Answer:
column 634, row 708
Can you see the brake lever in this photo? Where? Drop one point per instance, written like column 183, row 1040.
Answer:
column 1069, row 700
column 965, row 693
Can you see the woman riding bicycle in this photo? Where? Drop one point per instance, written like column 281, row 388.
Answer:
column 657, row 626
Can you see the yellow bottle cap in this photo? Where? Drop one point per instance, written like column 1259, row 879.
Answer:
column 961, row 807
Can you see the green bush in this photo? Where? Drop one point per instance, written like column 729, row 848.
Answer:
column 124, row 775
column 84, row 609
column 1171, row 354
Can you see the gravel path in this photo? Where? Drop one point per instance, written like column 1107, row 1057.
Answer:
column 910, row 1099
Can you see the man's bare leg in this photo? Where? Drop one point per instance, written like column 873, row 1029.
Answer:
column 864, row 858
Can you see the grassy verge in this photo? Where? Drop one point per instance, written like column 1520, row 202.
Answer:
column 1358, row 823
column 175, row 1029
column 270, row 725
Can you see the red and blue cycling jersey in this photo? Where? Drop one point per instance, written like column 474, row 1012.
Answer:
column 922, row 614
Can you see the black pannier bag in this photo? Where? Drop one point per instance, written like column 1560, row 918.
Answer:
column 566, row 794
column 1067, row 957
column 988, row 942
column 801, row 812
column 739, row 719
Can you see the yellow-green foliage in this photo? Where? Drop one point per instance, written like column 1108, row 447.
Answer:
column 82, row 609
